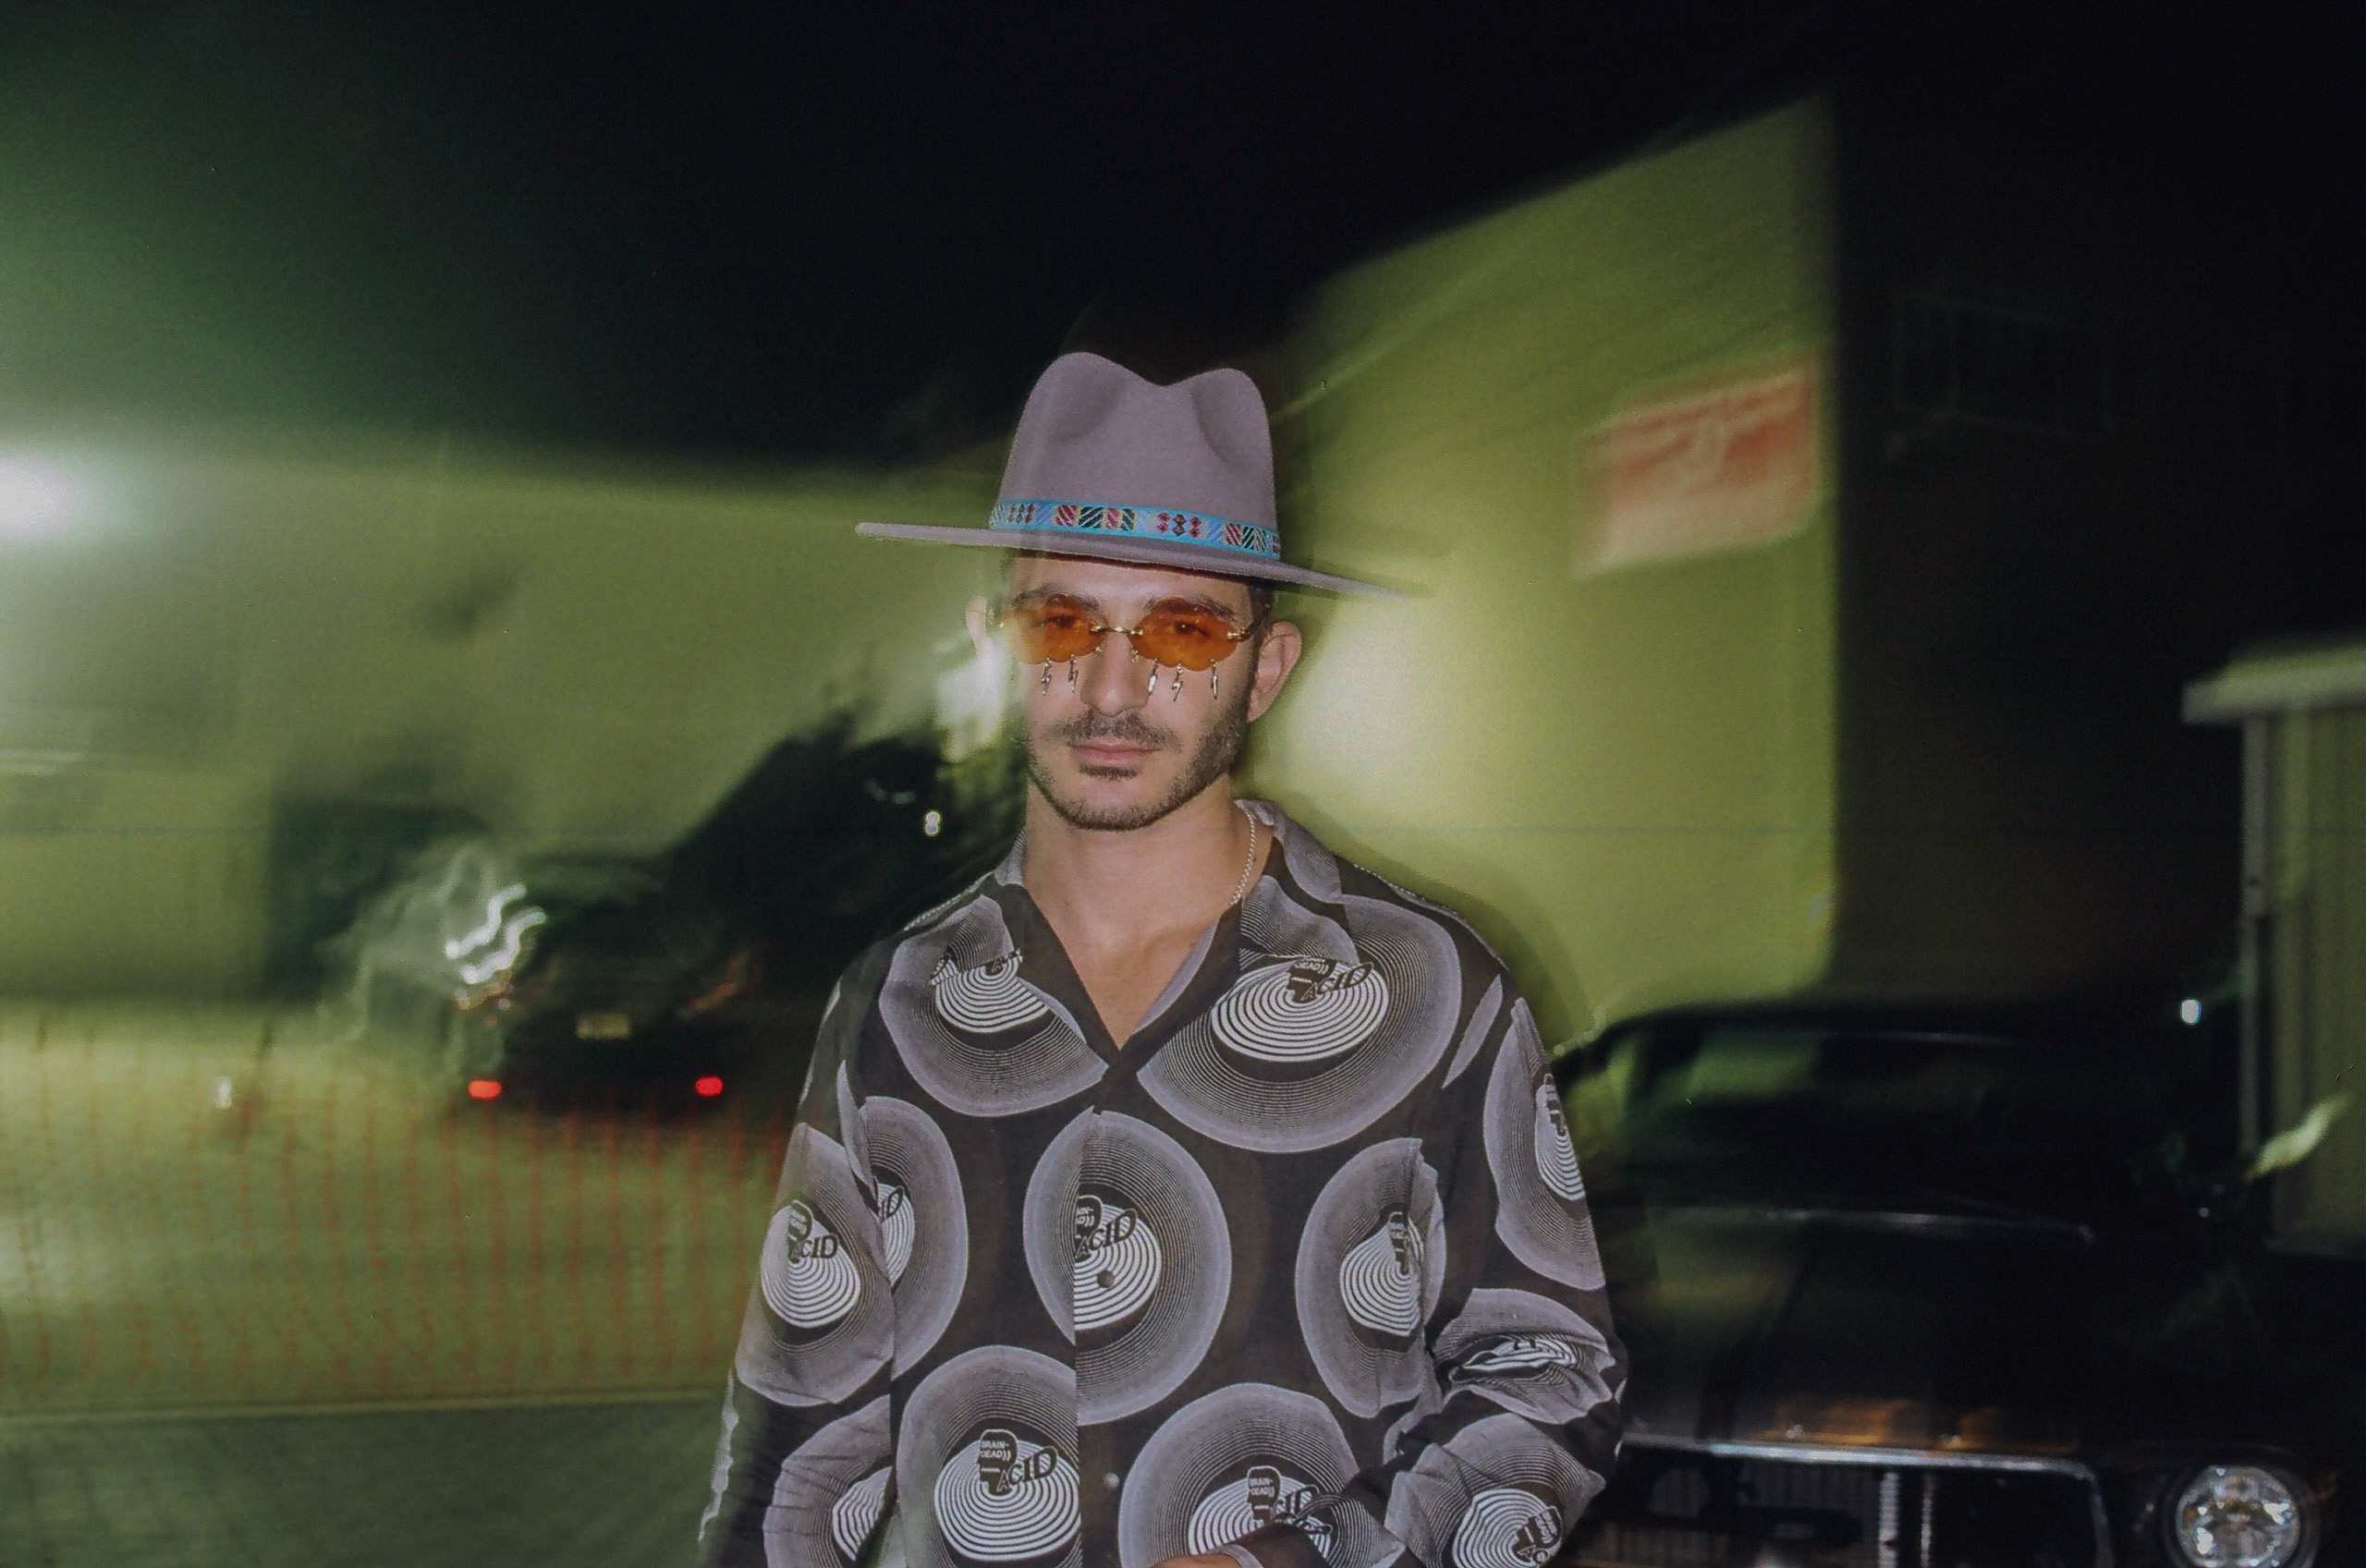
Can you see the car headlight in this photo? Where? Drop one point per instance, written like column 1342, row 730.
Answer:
column 2237, row 1517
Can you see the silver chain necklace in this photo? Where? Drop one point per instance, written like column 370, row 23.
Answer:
column 1249, row 865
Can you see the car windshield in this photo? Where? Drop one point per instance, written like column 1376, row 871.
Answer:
column 1821, row 1118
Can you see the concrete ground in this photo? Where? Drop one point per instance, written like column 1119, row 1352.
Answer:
column 613, row 1485
column 267, row 1296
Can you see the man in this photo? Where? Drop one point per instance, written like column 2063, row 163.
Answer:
column 1178, row 1194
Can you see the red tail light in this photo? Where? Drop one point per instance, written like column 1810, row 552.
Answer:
column 484, row 1089
column 707, row 1087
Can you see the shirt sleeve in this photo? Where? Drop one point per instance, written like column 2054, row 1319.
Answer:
column 803, row 1470
column 1520, row 1428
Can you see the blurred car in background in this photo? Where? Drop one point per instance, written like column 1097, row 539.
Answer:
column 1912, row 1287
column 712, row 979
column 685, row 978
column 656, row 1003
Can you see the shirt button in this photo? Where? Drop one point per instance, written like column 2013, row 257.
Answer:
column 1112, row 1480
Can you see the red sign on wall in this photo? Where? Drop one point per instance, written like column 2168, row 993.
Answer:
column 1717, row 471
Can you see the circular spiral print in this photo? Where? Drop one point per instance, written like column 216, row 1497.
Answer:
column 819, row 1310
column 1118, row 1264
column 1380, row 1278
column 854, row 1516
column 809, row 1278
column 830, row 1493
column 986, row 1000
column 1519, row 1354
column 1529, row 1354
column 923, row 1220
column 968, row 1027
column 1266, row 1495
column 1267, row 1071
column 985, row 1461
column 1556, row 1158
column 1227, row 1463
column 1129, row 1251
column 1545, row 1225
column 1301, row 1009
column 1360, row 1318
column 1496, row 1494
column 1002, row 1499
column 1506, row 1527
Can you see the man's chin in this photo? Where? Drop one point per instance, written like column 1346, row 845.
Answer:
column 1107, row 799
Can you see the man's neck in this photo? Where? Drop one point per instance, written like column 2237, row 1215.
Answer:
column 1127, row 905
column 1139, row 881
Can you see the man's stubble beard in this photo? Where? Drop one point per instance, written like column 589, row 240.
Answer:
column 1218, row 749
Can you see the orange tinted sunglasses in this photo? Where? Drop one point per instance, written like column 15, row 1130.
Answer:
column 1177, row 633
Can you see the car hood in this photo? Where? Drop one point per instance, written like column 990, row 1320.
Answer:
column 1923, row 1331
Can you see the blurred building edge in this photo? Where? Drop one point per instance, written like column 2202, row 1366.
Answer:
column 253, row 676
column 1810, row 533
column 2302, row 715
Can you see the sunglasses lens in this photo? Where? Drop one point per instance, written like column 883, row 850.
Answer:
column 1186, row 635
column 1055, row 629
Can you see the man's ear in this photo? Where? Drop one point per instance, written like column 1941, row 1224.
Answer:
column 1277, row 655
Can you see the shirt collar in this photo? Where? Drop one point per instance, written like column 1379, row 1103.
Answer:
column 1206, row 974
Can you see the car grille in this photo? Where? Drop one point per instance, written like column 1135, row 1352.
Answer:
column 1722, row 1505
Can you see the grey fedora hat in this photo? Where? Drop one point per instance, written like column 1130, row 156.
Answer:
column 1110, row 466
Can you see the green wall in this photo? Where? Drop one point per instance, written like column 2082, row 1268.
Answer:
column 1624, row 776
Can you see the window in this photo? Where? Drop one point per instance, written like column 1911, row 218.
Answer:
column 1999, row 366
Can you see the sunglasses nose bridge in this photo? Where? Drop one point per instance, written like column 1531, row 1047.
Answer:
column 1112, row 685
column 1101, row 635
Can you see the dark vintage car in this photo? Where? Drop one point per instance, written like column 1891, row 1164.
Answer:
column 1906, row 1288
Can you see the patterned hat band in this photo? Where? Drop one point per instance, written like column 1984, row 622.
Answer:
column 1082, row 516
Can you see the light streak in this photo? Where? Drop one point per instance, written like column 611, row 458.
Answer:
column 493, row 921
column 513, row 936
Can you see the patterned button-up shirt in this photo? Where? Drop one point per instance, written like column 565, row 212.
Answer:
column 1304, row 1272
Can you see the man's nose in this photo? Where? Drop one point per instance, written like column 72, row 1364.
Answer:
column 1112, row 681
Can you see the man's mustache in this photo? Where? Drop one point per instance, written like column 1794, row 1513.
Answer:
column 1122, row 729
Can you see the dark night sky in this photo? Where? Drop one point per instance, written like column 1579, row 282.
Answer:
column 857, row 230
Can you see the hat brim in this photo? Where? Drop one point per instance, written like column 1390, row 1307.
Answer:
column 1178, row 554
